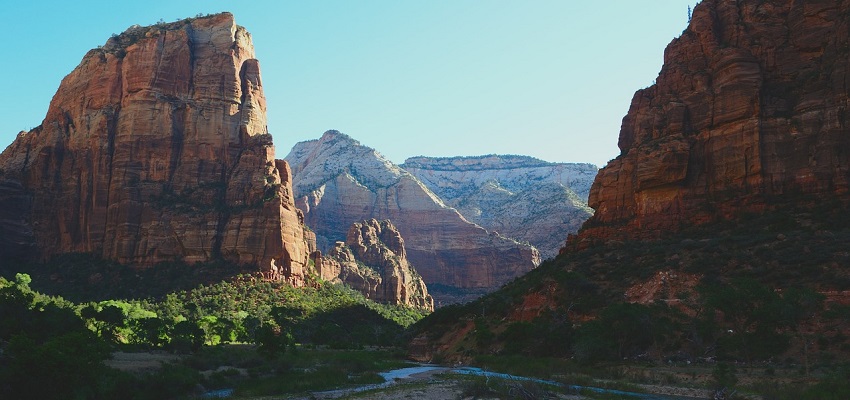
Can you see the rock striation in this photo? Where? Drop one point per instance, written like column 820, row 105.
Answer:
column 373, row 261
column 749, row 110
column 338, row 182
column 155, row 148
column 521, row 197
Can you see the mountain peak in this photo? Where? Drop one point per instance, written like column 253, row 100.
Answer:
column 155, row 148
column 338, row 181
column 333, row 134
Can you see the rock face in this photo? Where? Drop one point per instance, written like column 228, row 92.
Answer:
column 338, row 182
column 373, row 260
column 155, row 148
column 16, row 236
column 521, row 197
column 750, row 109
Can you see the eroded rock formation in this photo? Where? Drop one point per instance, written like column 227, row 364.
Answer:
column 521, row 197
column 750, row 109
column 155, row 148
column 338, row 182
column 373, row 261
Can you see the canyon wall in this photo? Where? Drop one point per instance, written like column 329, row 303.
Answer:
column 155, row 148
column 749, row 110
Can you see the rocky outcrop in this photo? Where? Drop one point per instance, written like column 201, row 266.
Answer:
column 373, row 261
column 155, row 148
column 521, row 197
column 749, row 110
column 338, row 182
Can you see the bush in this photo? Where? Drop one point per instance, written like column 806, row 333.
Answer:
column 61, row 367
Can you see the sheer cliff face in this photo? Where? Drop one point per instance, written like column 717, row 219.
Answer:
column 749, row 109
column 339, row 182
column 520, row 197
column 373, row 260
column 155, row 148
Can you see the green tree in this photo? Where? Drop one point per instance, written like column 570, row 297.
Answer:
column 752, row 314
column 150, row 331
column 187, row 336
column 800, row 307
column 64, row 366
column 724, row 376
column 272, row 341
column 113, row 318
column 624, row 330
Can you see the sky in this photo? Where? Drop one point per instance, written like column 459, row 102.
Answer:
column 550, row 79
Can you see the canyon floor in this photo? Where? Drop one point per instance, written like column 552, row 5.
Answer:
column 440, row 385
column 441, row 382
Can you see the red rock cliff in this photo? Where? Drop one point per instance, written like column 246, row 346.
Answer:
column 749, row 109
column 156, row 148
column 373, row 260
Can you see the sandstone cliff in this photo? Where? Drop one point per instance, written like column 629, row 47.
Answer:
column 373, row 261
column 521, row 197
column 155, row 148
column 338, row 182
column 749, row 110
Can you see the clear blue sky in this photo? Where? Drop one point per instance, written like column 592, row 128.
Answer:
column 546, row 78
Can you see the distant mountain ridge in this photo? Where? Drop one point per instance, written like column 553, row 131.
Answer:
column 521, row 197
column 337, row 181
column 483, row 162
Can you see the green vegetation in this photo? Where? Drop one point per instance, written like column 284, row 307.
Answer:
column 748, row 291
column 312, row 370
column 750, row 314
column 285, row 330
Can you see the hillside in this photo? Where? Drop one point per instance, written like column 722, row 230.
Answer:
column 521, row 197
column 671, row 290
column 338, row 181
column 720, row 231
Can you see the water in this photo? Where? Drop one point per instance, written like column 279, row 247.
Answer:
column 390, row 378
column 218, row 394
column 403, row 373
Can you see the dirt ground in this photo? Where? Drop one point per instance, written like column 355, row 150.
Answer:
column 139, row 362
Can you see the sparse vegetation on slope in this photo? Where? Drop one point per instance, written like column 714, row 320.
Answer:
column 768, row 288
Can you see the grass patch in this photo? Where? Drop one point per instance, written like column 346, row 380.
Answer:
column 309, row 370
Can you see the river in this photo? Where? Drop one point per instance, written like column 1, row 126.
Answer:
column 402, row 374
